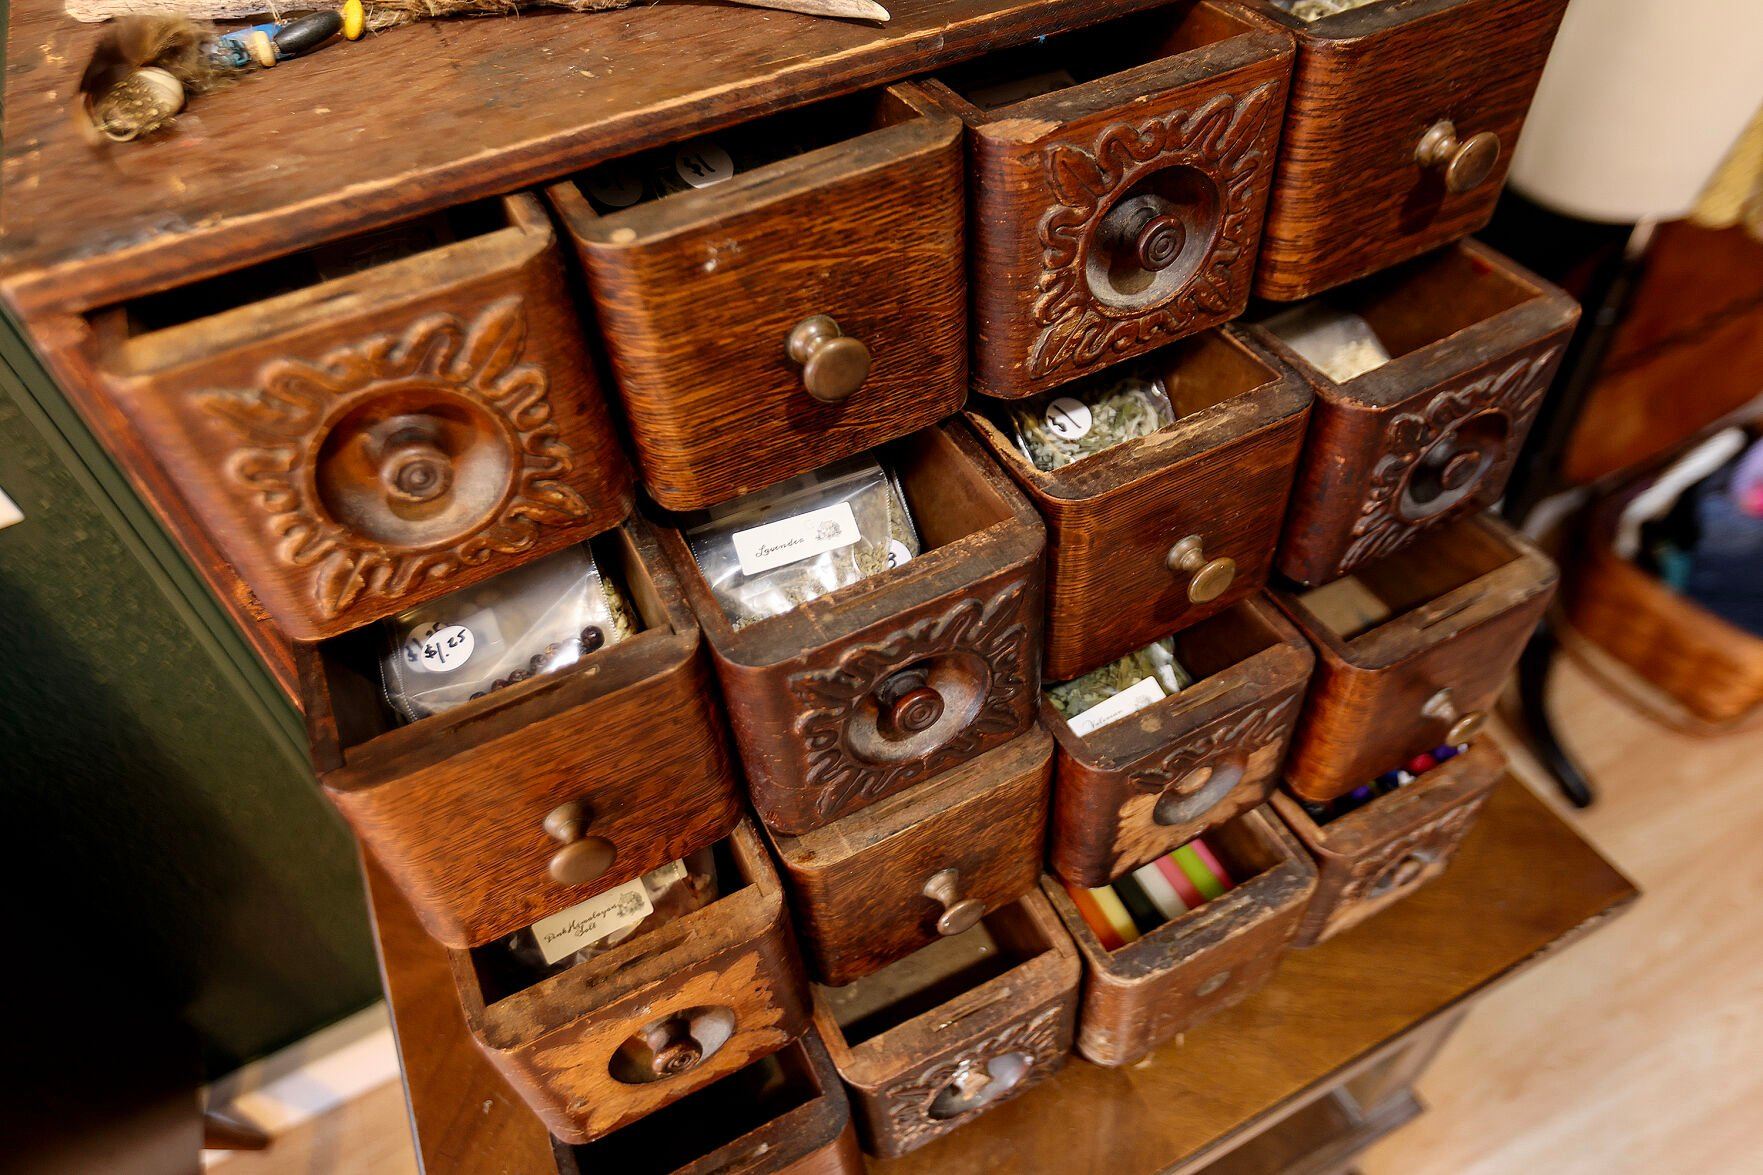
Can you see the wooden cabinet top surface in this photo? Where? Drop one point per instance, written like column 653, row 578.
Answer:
column 1523, row 885
column 415, row 119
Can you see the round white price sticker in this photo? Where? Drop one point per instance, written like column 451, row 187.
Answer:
column 1069, row 419
column 898, row 554
column 439, row 647
column 703, row 163
column 616, row 186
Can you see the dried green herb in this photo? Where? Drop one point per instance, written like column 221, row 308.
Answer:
column 1156, row 660
column 1073, row 423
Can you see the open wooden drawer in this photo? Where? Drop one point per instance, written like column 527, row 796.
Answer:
column 1400, row 127
column 1378, row 854
column 1119, row 176
column 823, row 720
column 1412, row 651
column 619, row 1036
column 810, row 305
column 1156, row 533
column 883, row 882
column 376, row 422
column 1434, row 433
column 936, row 1039
column 458, row 807
column 1149, row 783
column 1141, row 995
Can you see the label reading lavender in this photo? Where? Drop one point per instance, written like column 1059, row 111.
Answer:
column 790, row 540
column 1135, row 697
column 561, row 935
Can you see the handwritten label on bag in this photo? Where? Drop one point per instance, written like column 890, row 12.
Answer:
column 561, row 935
column 439, row 647
column 1068, row 419
column 1135, row 697
column 790, row 540
column 703, row 163
column 899, row 554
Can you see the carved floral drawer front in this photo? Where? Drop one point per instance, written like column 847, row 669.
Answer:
column 400, row 424
column 805, row 308
column 916, row 1072
column 1380, row 853
column 885, row 684
column 1402, row 122
column 1412, row 651
column 655, row 1018
column 922, row 865
column 1434, row 433
column 1149, row 783
column 1117, row 214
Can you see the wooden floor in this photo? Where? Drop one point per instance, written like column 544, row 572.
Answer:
column 1638, row 1050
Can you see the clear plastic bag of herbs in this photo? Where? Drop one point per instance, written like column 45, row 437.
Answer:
column 778, row 548
column 1144, row 677
column 523, row 623
column 1073, row 423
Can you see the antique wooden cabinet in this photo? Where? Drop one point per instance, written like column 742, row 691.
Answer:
column 1180, row 524
column 1399, row 131
column 1142, row 995
column 1432, row 434
column 881, row 685
column 1118, row 177
column 1149, row 783
column 945, row 1034
column 921, row 865
column 796, row 313
column 1380, row 853
column 1412, row 651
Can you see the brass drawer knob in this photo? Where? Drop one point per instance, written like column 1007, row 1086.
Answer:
column 1467, row 163
column 959, row 914
column 834, row 365
column 582, row 858
column 906, row 705
column 1160, row 242
column 1211, row 578
column 1442, row 707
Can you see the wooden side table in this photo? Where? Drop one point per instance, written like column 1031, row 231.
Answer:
column 1302, row 1077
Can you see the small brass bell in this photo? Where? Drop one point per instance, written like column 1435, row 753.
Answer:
column 140, row 104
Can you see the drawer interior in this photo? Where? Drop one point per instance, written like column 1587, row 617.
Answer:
column 351, row 662
column 500, row 975
column 1012, row 76
column 1420, row 304
column 709, row 1119
column 930, row 978
column 178, row 325
column 681, row 170
column 1437, row 563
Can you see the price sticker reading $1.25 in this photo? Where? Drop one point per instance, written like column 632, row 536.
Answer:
column 439, row 647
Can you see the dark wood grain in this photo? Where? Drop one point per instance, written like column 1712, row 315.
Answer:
column 800, row 687
column 974, row 1040
column 1382, row 852
column 272, row 419
column 1464, row 598
column 485, row 106
column 698, row 293
column 1221, row 473
column 1476, row 341
column 857, row 884
column 1138, row 788
column 1188, row 108
column 1349, row 197
column 1523, row 879
column 1141, row 996
column 555, row 1041
column 454, row 806
column 1712, row 668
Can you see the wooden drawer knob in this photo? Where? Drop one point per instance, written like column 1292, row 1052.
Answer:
column 1211, row 578
column 1467, row 163
column 415, row 471
column 906, row 705
column 1442, row 707
column 834, row 365
column 582, row 858
column 1160, row 242
column 959, row 914
column 1403, row 873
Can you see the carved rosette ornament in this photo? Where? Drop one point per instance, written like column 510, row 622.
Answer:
column 1462, row 440
column 1197, row 773
column 1197, row 232
column 942, row 1095
column 978, row 657
column 1404, row 862
column 401, row 459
